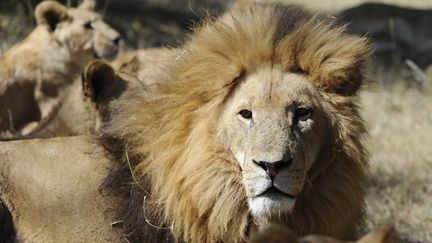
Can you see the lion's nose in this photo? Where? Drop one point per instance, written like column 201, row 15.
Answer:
column 117, row 40
column 272, row 168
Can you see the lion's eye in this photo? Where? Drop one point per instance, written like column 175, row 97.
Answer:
column 246, row 114
column 88, row 25
column 303, row 113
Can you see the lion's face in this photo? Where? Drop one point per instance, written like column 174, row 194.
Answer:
column 273, row 124
column 81, row 30
column 87, row 32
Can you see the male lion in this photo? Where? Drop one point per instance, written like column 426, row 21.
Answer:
column 255, row 123
column 33, row 72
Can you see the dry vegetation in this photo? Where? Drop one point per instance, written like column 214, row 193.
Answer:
column 399, row 121
column 400, row 187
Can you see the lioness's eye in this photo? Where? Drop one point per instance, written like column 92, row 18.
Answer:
column 88, row 25
column 246, row 114
column 303, row 113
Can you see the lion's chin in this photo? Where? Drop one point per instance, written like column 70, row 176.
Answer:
column 268, row 204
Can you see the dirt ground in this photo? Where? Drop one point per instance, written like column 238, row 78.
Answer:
column 399, row 119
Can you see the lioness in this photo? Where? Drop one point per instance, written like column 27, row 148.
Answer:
column 85, row 103
column 33, row 72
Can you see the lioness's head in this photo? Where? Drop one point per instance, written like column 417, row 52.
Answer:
column 80, row 29
column 273, row 124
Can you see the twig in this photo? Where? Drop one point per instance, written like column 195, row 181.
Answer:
column 419, row 75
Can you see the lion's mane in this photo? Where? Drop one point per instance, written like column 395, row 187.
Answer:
column 186, row 181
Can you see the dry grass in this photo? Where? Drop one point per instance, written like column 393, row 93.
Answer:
column 400, row 186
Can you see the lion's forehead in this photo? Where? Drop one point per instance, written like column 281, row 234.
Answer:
column 84, row 15
column 274, row 89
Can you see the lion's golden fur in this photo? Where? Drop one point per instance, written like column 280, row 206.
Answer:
column 191, row 182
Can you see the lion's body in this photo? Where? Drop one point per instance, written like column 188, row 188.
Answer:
column 23, row 68
column 79, row 111
column 34, row 72
column 151, row 64
column 48, row 206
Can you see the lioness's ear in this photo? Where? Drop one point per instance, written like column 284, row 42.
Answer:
column 88, row 5
column 99, row 81
column 130, row 67
column 50, row 13
column 384, row 234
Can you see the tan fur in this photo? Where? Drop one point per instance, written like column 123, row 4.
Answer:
column 150, row 65
column 77, row 113
column 34, row 72
column 49, row 199
column 279, row 234
column 85, row 104
column 192, row 181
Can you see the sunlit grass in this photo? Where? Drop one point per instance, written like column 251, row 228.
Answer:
column 400, row 144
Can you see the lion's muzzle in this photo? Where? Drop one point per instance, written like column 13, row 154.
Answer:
column 272, row 168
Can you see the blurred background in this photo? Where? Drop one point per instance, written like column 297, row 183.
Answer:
column 396, row 104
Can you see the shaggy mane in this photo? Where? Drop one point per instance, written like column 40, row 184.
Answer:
column 179, row 182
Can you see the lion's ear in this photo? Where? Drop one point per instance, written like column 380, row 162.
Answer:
column 348, row 87
column 384, row 234
column 99, row 81
column 50, row 14
column 341, row 68
column 130, row 67
column 88, row 5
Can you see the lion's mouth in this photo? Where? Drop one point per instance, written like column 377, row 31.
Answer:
column 273, row 191
column 107, row 55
